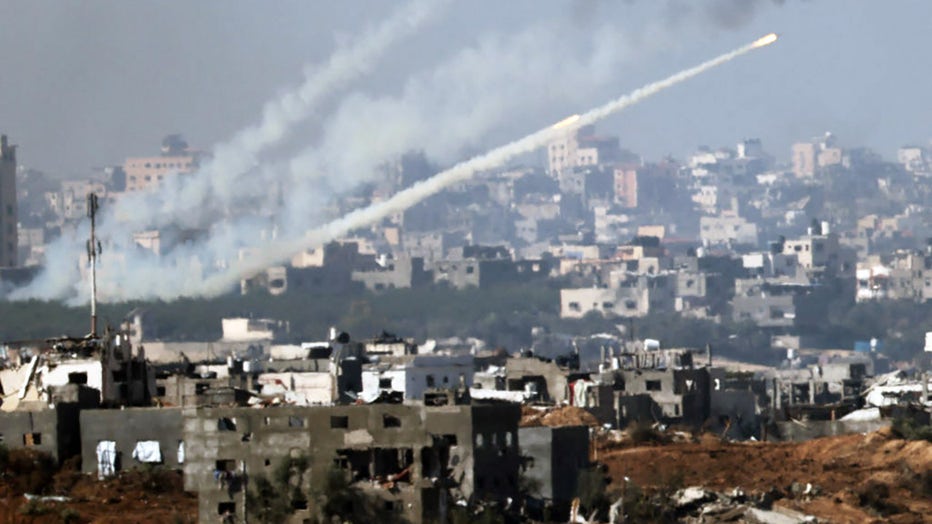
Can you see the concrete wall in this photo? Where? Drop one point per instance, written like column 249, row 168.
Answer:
column 556, row 457
column 21, row 429
column 126, row 427
column 352, row 438
column 740, row 408
column 521, row 370
column 680, row 394
column 169, row 352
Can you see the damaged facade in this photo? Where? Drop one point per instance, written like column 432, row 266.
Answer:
column 415, row 460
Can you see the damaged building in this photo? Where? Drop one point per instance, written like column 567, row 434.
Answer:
column 411, row 460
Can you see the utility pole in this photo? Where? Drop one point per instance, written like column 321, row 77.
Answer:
column 93, row 251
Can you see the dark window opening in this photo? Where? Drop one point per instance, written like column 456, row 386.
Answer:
column 430, row 462
column 430, row 381
column 450, row 439
column 390, row 421
column 296, row 422
column 357, row 461
column 246, row 437
column 385, row 383
column 77, row 378
column 436, row 399
column 160, row 391
column 201, row 387
column 226, row 424
column 32, row 439
column 268, row 462
column 392, row 461
column 225, row 465
column 338, row 422
column 653, row 385
column 226, row 508
column 389, row 505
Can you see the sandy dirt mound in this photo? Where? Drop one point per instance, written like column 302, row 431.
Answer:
column 555, row 417
column 856, row 478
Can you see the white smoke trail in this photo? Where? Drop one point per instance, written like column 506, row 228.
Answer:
column 277, row 252
column 201, row 199
column 363, row 133
column 196, row 201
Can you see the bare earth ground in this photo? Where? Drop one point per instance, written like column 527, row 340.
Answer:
column 858, row 478
column 135, row 497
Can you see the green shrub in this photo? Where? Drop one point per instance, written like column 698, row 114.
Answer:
column 909, row 429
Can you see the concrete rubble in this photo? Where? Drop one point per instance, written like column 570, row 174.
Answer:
column 697, row 505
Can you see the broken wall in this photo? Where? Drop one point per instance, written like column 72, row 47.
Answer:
column 127, row 427
column 37, row 429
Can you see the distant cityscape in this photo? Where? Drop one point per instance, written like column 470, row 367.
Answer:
column 773, row 244
column 728, row 233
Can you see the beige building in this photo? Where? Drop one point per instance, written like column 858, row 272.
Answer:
column 580, row 147
column 146, row 172
column 830, row 156
column 804, row 159
column 727, row 230
column 820, row 152
column 8, row 208
column 626, row 187
column 143, row 173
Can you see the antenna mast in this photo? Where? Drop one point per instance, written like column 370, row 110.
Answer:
column 93, row 251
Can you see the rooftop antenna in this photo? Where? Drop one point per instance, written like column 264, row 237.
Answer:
column 93, row 251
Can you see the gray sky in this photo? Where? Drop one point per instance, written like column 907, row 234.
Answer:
column 87, row 84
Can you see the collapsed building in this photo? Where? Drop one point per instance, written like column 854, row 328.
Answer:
column 45, row 385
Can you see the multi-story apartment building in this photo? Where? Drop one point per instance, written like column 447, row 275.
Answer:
column 8, row 208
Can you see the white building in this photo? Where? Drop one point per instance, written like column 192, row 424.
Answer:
column 413, row 375
column 727, row 230
column 252, row 329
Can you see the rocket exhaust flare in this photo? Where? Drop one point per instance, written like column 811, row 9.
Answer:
column 566, row 122
column 766, row 40
column 280, row 250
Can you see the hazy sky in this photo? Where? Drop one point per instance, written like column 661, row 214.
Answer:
column 88, row 83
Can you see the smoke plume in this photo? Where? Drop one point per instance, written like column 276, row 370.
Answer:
column 477, row 96
column 277, row 252
column 201, row 200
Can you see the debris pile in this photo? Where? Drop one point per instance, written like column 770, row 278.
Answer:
column 852, row 478
column 696, row 505
column 555, row 417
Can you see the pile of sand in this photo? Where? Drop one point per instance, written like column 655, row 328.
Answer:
column 556, row 417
